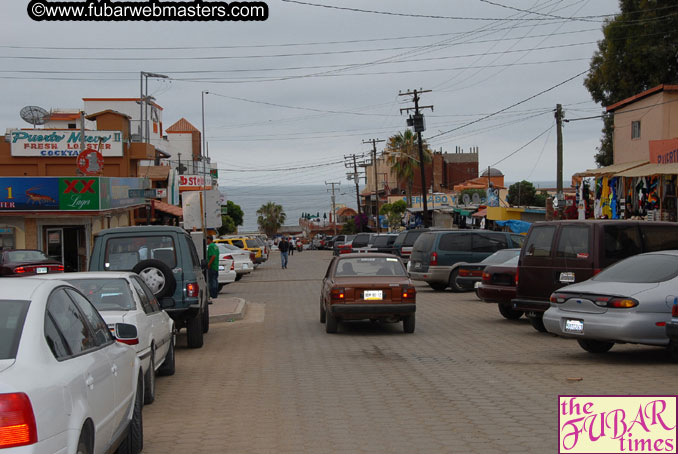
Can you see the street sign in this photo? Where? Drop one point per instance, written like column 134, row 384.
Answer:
column 146, row 193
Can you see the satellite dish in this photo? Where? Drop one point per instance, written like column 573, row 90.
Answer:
column 34, row 115
column 476, row 198
column 466, row 199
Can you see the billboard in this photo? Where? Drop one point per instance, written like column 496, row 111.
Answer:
column 62, row 142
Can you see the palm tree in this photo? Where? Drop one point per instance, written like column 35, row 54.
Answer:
column 403, row 156
column 270, row 218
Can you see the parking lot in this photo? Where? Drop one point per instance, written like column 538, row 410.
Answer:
column 466, row 381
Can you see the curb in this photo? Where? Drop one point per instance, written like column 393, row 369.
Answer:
column 238, row 314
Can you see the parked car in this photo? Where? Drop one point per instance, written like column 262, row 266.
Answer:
column 367, row 286
column 436, row 254
column 402, row 246
column 227, row 272
column 672, row 330
column 242, row 259
column 248, row 244
column 122, row 297
column 329, row 242
column 66, row 385
column 470, row 275
column 629, row 302
column 499, row 286
column 27, row 262
column 559, row 253
column 167, row 261
column 383, row 243
column 362, row 242
column 343, row 245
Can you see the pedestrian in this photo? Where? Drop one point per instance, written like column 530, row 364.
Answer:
column 293, row 245
column 212, row 267
column 283, row 247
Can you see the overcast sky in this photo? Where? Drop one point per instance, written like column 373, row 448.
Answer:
column 338, row 73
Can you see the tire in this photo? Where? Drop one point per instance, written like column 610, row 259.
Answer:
column 220, row 287
column 331, row 323
column 149, row 380
column 537, row 322
column 453, row 282
column 194, row 332
column 85, row 443
column 323, row 314
column 437, row 286
column 157, row 276
column 134, row 442
column 408, row 324
column 673, row 350
column 206, row 320
column 595, row 346
column 508, row 312
column 169, row 365
column 238, row 277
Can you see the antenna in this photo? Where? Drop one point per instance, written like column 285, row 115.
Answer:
column 34, row 115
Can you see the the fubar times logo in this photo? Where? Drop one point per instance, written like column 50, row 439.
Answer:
column 617, row 424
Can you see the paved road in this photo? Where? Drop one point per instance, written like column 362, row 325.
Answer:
column 466, row 381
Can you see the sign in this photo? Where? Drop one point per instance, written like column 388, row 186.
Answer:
column 192, row 209
column 146, row 193
column 78, row 194
column 90, row 162
column 62, row 142
column 115, row 192
column 435, row 200
column 193, row 183
column 664, row 151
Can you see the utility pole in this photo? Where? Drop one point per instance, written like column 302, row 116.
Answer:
column 417, row 121
column 559, row 155
column 376, row 185
column 355, row 176
column 334, row 209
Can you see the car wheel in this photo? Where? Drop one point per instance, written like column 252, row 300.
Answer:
column 453, row 282
column 194, row 333
column 168, row 366
column 134, row 442
column 537, row 322
column 149, row 380
column 673, row 350
column 595, row 346
column 158, row 276
column 331, row 323
column 323, row 314
column 437, row 286
column 238, row 277
column 85, row 442
column 408, row 324
column 206, row 319
column 508, row 312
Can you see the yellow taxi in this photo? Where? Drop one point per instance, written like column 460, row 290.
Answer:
column 248, row 244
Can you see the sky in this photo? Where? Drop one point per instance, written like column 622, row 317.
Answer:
column 306, row 87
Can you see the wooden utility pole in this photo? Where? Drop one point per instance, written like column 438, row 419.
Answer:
column 334, row 209
column 417, row 121
column 355, row 176
column 376, row 185
column 559, row 155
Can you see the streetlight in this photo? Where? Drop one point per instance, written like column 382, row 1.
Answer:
column 142, row 98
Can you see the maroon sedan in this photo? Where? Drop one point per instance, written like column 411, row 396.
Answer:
column 499, row 286
column 368, row 286
column 27, row 262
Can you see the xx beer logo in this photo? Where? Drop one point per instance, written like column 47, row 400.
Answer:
column 79, row 193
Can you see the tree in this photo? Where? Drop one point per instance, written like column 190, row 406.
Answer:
column 349, row 227
column 403, row 157
column 522, row 193
column 638, row 52
column 231, row 218
column 394, row 212
column 270, row 217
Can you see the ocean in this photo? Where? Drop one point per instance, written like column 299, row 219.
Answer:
column 295, row 200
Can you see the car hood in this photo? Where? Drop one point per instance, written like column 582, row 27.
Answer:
column 609, row 288
column 6, row 364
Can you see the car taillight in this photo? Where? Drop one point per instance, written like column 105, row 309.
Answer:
column 232, row 265
column 674, row 308
column 409, row 294
column 192, row 289
column 338, row 294
column 57, row 268
column 20, row 270
column 463, row 272
column 516, row 277
column 622, row 303
column 486, row 278
column 433, row 261
column 227, row 257
column 252, row 256
column 557, row 298
column 17, row 421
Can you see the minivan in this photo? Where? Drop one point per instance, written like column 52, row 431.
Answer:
column 436, row 253
column 402, row 247
column 559, row 253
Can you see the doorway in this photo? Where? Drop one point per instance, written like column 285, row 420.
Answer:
column 67, row 245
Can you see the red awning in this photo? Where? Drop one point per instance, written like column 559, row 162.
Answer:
column 480, row 213
column 167, row 208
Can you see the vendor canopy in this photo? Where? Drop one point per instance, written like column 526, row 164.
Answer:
column 650, row 169
column 614, row 169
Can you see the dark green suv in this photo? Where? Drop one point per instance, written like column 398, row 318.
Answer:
column 166, row 259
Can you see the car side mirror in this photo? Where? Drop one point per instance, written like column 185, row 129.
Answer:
column 126, row 333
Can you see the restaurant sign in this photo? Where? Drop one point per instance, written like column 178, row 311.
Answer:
column 194, row 183
column 664, row 151
column 62, row 142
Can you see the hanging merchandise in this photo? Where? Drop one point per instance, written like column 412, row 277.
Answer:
column 614, row 205
column 653, row 193
column 597, row 207
column 605, row 199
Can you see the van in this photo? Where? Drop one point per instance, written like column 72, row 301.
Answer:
column 559, row 253
column 166, row 259
column 436, row 253
column 402, row 246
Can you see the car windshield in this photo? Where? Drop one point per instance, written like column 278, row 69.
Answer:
column 122, row 254
column 501, row 256
column 370, row 266
column 106, row 294
column 383, row 240
column 25, row 256
column 12, row 316
column 645, row 268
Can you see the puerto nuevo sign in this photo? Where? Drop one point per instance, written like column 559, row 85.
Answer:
column 63, row 142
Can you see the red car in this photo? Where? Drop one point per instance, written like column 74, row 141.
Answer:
column 499, row 286
column 27, row 262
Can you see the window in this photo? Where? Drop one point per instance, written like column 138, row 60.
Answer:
column 55, row 339
column 69, row 321
column 573, row 242
column 659, row 237
column 106, row 294
column 194, row 254
column 370, row 266
column 620, row 242
column 650, row 268
column 143, row 297
column 143, row 290
column 635, row 129
column 238, row 243
column 518, row 240
column 539, row 241
column 122, row 254
column 425, row 242
column 12, row 315
column 457, row 242
column 488, row 242
column 100, row 330
column 411, row 237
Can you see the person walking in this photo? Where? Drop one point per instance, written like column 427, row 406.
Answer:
column 283, row 247
column 293, row 245
column 212, row 267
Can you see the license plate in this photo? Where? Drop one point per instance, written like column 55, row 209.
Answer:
column 574, row 326
column 566, row 277
column 41, row 270
column 222, row 267
column 245, row 266
column 373, row 295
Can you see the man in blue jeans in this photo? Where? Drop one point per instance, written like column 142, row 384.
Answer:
column 212, row 268
column 284, row 247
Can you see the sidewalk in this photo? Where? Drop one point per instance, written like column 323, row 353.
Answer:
column 227, row 309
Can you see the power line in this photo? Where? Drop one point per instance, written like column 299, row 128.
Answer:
column 528, row 143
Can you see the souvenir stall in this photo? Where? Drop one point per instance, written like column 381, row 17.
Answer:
column 650, row 192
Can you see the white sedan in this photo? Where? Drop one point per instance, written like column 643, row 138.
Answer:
column 227, row 272
column 123, row 297
column 66, row 385
column 243, row 262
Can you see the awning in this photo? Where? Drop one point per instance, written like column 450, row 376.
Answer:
column 463, row 212
column 167, row 208
column 480, row 213
column 651, row 169
column 611, row 170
